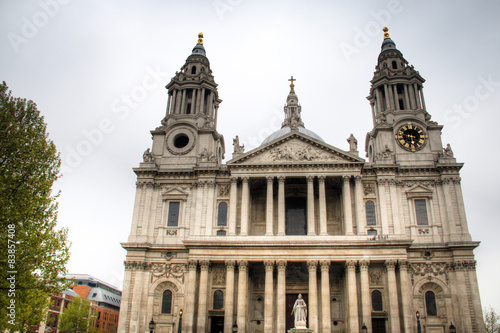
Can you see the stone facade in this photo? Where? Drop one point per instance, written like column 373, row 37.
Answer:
column 367, row 242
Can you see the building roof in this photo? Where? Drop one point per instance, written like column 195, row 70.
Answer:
column 285, row 130
column 86, row 277
column 70, row 292
column 105, row 296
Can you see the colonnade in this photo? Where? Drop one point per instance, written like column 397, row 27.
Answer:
column 319, row 297
column 200, row 101
column 412, row 96
column 359, row 212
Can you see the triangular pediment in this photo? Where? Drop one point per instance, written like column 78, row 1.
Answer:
column 419, row 192
column 295, row 148
column 174, row 194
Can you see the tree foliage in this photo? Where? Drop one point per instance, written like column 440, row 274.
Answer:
column 491, row 321
column 78, row 317
column 33, row 252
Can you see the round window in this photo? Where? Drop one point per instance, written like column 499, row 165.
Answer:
column 181, row 140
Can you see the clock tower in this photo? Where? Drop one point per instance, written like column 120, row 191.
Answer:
column 188, row 134
column 403, row 131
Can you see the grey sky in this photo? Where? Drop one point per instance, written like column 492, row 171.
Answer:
column 97, row 70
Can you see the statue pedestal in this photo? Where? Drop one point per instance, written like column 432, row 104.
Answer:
column 300, row 330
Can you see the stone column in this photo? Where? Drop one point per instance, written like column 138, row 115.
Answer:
column 203, row 296
column 413, row 102
column 346, row 195
column 174, row 106
column 380, row 107
column 268, row 298
column 388, row 98
column 281, row 205
column 313, row 295
column 423, row 99
column 183, row 103
column 200, row 195
column 281, row 315
column 210, row 104
column 269, row 207
column 417, row 96
column 245, row 196
column 202, row 101
column 209, row 219
column 392, row 290
column 448, row 195
column 365, row 294
column 322, row 206
column 461, row 207
column 168, row 103
column 382, row 205
column 352, row 292
column 229, row 296
column 193, row 102
column 407, row 97
column 242, row 295
column 393, row 190
column 233, row 206
column 461, row 289
column 405, row 295
column 360, row 207
column 311, row 223
column 326, row 321
column 188, row 322
column 396, row 97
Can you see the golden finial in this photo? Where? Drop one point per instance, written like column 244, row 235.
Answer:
column 386, row 33
column 291, row 84
column 200, row 38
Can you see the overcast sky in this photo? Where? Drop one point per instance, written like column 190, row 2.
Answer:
column 97, row 70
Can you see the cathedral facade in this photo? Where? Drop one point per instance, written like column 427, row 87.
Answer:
column 376, row 245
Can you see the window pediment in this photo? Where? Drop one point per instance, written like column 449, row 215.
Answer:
column 175, row 194
column 419, row 192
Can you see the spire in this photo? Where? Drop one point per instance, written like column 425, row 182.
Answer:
column 388, row 43
column 198, row 48
column 292, row 108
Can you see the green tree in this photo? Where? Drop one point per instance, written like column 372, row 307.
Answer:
column 78, row 317
column 33, row 252
column 491, row 320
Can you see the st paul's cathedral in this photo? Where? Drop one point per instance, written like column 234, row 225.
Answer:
column 375, row 245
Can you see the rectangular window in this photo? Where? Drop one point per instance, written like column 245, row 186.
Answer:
column 421, row 212
column 173, row 214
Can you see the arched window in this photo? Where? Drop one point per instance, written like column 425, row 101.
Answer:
column 222, row 215
column 430, row 303
column 377, row 301
column 371, row 218
column 218, row 300
column 193, row 70
column 166, row 302
column 394, row 65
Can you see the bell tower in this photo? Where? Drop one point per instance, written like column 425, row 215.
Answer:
column 403, row 132
column 188, row 136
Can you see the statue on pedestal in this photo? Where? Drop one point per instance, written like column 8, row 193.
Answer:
column 300, row 312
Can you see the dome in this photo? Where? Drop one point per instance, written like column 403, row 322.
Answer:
column 285, row 130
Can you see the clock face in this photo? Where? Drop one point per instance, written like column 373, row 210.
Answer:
column 411, row 137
